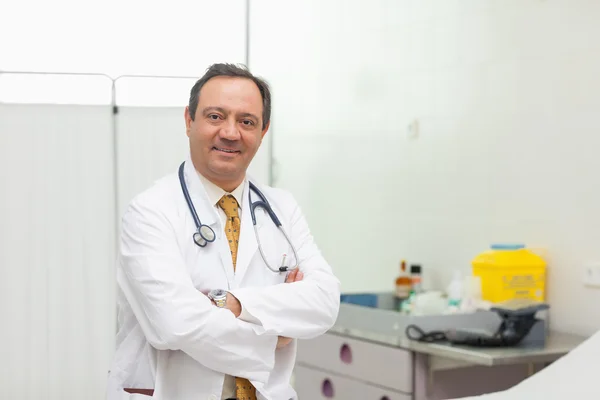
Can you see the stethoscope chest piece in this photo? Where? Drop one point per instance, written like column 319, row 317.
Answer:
column 204, row 235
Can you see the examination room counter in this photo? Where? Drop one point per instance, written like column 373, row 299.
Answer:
column 367, row 355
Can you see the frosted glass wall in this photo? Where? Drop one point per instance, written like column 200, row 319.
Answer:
column 341, row 108
column 505, row 95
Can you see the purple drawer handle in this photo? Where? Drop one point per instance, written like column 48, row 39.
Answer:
column 346, row 354
column 327, row 388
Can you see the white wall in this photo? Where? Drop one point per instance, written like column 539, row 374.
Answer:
column 506, row 94
column 121, row 37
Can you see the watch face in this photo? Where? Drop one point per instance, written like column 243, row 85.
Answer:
column 219, row 296
column 217, row 293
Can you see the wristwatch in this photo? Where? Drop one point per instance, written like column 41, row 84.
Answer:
column 219, row 296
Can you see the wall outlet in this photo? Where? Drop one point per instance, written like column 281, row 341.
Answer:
column 591, row 275
column 412, row 130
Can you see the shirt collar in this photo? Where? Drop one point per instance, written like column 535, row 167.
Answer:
column 215, row 193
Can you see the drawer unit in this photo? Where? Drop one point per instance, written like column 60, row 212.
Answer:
column 318, row 385
column 377, row 364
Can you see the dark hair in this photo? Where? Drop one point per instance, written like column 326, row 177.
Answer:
column 239, row 71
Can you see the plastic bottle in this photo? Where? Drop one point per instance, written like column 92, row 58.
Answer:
column 415, row 274
column 417, row 287
column 403, row 282
column 455, row 292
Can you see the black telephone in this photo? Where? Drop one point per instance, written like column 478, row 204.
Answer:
column 515, row 325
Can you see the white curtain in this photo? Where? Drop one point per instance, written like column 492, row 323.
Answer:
column 57, row 234
column 151, row 143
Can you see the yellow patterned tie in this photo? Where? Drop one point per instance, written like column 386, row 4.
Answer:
column 243, row 388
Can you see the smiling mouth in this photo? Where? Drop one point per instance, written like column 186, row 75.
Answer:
column 223, row 150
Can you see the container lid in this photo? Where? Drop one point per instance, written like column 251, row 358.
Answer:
column 415, row 269
column 507, row 246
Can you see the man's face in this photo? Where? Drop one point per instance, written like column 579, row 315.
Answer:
column 227, row 129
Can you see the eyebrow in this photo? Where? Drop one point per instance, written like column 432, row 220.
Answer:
column 207, row 110
column 249, row 115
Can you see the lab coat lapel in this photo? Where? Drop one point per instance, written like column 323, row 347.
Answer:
column 208, row 215
column 248, row 244
column 206, row 211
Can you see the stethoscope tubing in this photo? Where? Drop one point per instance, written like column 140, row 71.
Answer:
column 263, row 203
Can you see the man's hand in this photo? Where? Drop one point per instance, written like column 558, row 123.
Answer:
column 233, row 304
column 294, row 276
column 283, row 341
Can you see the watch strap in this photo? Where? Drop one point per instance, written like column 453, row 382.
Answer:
column 220, row 302
column 219, row 297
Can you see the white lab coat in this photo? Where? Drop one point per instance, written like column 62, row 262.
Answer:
column 171, row 337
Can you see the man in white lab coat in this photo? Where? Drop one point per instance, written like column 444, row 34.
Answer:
column 174, row 341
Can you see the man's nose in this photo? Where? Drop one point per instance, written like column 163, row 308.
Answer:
column 230, row 130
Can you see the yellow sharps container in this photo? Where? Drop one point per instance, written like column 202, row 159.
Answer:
column 510, row 271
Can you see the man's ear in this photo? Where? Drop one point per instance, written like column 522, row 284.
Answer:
column 188, row 120
column 264, row 132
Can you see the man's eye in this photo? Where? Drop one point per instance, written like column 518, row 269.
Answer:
column 247, row 122
column 214, row 117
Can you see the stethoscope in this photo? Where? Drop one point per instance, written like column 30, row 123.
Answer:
column 205, row 234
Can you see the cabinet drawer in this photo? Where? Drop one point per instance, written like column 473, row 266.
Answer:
column 378, row 364
column 317, row 385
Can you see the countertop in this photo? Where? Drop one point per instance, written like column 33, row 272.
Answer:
column 381, row 326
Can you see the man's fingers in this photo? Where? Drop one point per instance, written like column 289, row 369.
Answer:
column 283, row 341
column 291, row 276
column 294, row 276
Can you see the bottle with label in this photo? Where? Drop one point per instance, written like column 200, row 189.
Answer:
column 403, row 282
column 416, row 279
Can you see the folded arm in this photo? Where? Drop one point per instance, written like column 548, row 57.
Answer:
column 303, row 309
column 172, row 313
